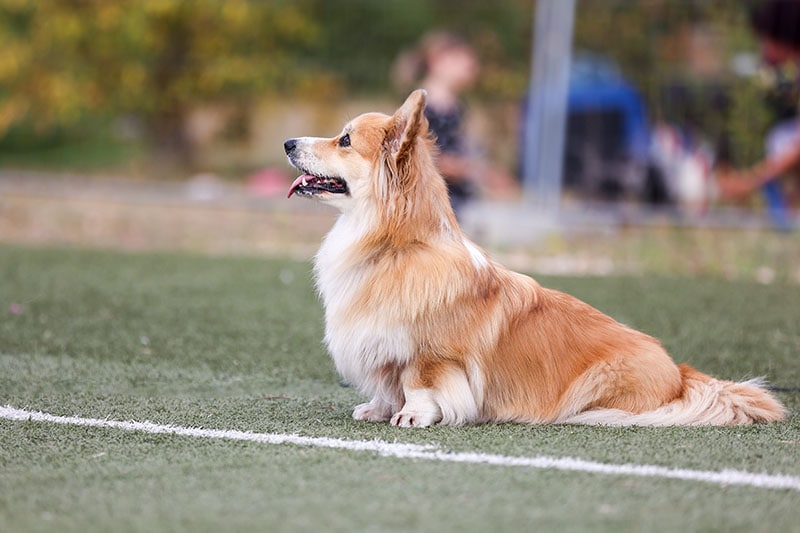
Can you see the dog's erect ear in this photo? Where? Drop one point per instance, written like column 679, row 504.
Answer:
column 406, row 125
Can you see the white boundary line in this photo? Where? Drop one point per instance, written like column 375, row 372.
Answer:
column 425, row 452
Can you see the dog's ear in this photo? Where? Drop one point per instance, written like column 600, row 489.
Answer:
column 406, row 125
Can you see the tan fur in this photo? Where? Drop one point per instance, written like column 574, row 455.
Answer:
column 422, row 321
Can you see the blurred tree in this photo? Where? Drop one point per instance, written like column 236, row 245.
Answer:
column 659, row 45
column 360, row 39
column 65, row 60
column 747, row 122
column 62, row 60
column 649, row 38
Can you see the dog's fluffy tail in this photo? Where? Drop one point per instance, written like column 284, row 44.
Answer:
column 704, row 401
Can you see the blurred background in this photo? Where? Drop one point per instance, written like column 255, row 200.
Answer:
column 158, row 124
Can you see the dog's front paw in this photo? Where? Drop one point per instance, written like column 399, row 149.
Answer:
column 414, row 419
column 369, row 412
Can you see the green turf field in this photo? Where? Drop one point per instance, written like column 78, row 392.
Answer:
column 235, row 343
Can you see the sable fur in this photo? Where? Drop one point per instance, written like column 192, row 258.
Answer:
column 424, row 323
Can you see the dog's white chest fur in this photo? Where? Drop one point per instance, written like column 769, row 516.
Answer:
column 360, row 340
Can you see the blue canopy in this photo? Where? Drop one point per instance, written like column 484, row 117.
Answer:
column 596, row 84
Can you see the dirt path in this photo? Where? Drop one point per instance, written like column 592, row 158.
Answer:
column 208, row 216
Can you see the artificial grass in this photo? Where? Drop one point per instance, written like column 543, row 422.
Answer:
column 235, row 343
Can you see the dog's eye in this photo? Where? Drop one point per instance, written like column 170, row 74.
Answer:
column 344, row 141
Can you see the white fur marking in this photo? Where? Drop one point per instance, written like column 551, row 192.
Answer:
column 425, row 452
column 358, row 347
column 477, row 256
column 703, row 404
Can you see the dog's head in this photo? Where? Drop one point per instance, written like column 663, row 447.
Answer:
column 377, row 160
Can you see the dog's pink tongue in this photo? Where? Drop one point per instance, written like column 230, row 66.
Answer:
column 298, row 182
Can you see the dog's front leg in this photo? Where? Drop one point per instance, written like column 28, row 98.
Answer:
column 436, row 392
column 387, row 398
column 420, row 410
column 375, row 410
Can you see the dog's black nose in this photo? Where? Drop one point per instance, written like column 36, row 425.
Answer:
column 290, row 145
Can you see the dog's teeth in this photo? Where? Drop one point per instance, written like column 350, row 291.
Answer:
column 304, row 181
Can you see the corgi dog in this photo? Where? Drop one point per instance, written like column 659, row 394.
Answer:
column 432, row 330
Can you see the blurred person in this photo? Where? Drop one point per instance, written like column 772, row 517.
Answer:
column 776, row 23
column 446, row 65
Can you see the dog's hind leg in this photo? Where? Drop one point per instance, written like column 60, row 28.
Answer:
column 621, row 386
column 436, row 392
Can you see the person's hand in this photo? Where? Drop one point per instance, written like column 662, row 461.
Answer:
column 735, row 185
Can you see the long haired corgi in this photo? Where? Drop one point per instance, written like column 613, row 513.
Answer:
column 423, row 322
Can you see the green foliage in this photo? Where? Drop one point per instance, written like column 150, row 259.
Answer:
column 64, row 60
column 65, row 64
column 655, row 41
column 748, row 121
column 648, row 39
column 360, row 38
column 85, row 151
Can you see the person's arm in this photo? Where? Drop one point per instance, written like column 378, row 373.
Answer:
column 738, row 184
column 493, row 181
column 776, row 166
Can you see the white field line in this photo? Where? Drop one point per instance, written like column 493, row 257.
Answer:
column 425, row 452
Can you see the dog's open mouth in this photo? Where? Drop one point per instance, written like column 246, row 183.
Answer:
column 309, row 185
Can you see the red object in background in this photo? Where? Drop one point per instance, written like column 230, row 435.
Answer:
column 268, row 182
